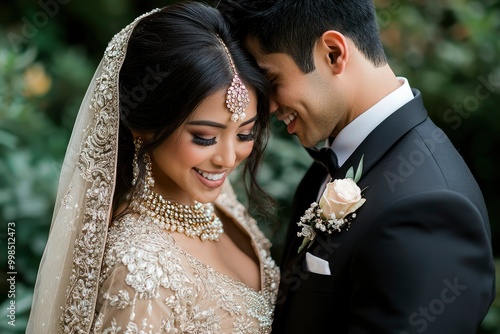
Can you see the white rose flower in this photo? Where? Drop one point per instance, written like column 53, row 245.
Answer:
column 341, row 197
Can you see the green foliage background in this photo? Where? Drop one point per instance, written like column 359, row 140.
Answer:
column 449, row 49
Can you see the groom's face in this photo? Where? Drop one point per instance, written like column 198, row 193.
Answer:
column 307, row 103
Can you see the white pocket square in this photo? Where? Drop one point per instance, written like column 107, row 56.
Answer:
column 317, row 265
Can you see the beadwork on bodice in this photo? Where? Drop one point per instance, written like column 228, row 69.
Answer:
column 128, row 276
column 150, row 285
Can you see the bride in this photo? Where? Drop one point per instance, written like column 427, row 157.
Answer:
column 147, row 235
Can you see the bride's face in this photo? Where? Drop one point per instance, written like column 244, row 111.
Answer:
column 193, row 163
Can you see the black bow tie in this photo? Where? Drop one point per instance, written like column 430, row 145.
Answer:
column 326, row 157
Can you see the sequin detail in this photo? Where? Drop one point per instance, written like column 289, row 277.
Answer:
column 151, row 285
column 96, row 162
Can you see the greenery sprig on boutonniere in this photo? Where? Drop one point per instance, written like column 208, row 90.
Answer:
column 336, row 208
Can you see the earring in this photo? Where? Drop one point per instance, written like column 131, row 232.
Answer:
column 135, row 163
column 150, row 181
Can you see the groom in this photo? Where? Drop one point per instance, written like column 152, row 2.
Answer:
column 417, row 256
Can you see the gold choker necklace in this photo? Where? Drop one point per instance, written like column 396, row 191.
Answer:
column 198, row 220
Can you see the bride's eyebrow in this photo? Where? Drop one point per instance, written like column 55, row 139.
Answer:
column 219, row 125
column 251, row 120
column 208, row 123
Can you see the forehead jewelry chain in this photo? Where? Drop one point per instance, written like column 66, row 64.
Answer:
column 237, row 98
column 198, row 220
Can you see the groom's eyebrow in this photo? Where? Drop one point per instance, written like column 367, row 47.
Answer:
column 267, row 71
column 220, row 125
column 270, row 75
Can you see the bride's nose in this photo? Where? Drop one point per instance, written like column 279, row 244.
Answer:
column 225, row 154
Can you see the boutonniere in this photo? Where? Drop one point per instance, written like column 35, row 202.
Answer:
column 336, row 208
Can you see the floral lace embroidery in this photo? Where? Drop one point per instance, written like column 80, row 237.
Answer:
column 120, row 300
column 97, row 162
column 194, row 298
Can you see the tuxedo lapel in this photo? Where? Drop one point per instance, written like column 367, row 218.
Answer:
column 375, row 145
column 380, row 140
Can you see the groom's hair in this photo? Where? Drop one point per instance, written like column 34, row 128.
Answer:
column 293, row 26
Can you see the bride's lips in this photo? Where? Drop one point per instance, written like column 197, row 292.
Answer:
column 211, row 179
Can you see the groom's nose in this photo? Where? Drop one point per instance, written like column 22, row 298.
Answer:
column 273, row 105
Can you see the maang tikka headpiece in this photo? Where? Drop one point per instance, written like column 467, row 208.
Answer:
column 237, row 98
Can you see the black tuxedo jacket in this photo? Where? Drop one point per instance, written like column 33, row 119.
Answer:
column 416, row 259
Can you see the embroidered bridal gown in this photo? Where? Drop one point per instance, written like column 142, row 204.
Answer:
column 129, row 276
column 150, row 285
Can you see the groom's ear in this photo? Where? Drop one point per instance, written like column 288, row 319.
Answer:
column 334, row 50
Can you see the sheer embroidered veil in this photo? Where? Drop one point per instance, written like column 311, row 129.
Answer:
column 68, row 277
column 193, row 45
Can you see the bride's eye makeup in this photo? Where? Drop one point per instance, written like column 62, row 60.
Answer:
column 246, row 137
column 248, row 133
column 205, row 137
column 198, row 140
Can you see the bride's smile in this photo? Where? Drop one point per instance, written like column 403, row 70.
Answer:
column 193, row 163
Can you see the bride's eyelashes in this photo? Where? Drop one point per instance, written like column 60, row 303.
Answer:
column 203, row 141
column 246, row 137
column 199, row 140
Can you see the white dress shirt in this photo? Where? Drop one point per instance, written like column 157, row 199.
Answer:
column 350, row 137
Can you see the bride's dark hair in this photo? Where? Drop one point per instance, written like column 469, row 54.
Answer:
column 174, row 61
